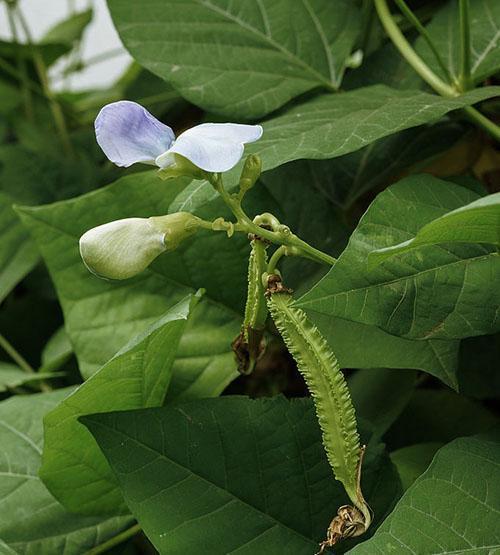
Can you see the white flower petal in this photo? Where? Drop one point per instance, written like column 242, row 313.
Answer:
column 128, row 133
column 213, row 147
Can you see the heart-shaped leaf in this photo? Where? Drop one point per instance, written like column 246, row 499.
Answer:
column 231, row 475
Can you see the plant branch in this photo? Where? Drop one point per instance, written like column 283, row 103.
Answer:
column 413, row 19
column 21, row 64
column 409, row 54
column 115, row 540
column 281, row 236
column 15, row 355
column 406, row 50
column 464, row 77
column 41, row 70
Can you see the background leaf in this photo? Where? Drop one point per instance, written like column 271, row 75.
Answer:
column 18, row 252
column 68, row 31
column 230, row 474
column 138, row 376
column 438, row 416
column 31, row 520
column 379, row 395
column 452, row 508
column 257, row 62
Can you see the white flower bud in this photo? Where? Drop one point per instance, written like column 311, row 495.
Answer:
column 121, row 249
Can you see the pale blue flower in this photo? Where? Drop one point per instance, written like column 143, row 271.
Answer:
column 128, row 133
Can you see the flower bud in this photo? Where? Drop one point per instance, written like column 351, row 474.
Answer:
column 124, row 248
column 250, row 173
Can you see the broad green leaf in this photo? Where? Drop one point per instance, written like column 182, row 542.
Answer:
column 230, row 475
column 18, row 252
column 32, row 522
column 101, row 316
column 68, row 31
column 361, row 346
column 12, row 376
column 334, row 124
column 452, row 508
column 444, row 30
column 477, row 222
column 345, row 179
column 438, row 416
column 379, row 395
column 73, row 468
column 412, row 461
column 437, row 291
column 239, row 58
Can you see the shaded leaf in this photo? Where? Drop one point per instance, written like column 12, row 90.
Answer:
column 438, row 416
column 12, row 376
column 68, row 31
column 380, row 395
column 412, row 461
column 18, row 252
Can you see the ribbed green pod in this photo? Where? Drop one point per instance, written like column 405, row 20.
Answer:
column 327, row 385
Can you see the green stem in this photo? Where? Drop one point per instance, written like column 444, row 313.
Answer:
column 41, row 70
column 15, row 355
column 482, row 121
column 413, row 19
column 464, row 77
column 423, row 70
column 21, row 64
column 275, row 258
column 116, row 540
column 409, row 54
column 282, row 236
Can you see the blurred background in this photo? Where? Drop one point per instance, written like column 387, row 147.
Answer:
column 102, row 56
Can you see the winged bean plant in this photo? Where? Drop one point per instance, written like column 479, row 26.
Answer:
column 250, row 291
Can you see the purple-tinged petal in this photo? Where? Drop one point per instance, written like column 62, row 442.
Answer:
column 128, row 133
column 213, row 147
